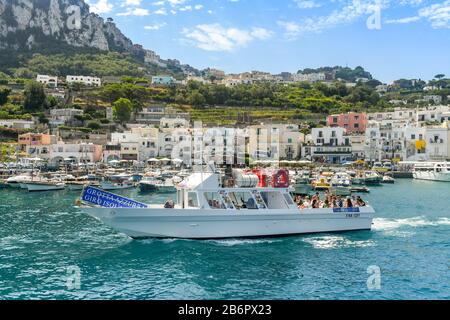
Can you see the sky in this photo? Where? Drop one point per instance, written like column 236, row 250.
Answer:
column 391, row 39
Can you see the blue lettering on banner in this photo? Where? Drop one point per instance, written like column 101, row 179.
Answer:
column 339, row 210
column 108, row 200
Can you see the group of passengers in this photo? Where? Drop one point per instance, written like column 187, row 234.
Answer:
column 329, row 201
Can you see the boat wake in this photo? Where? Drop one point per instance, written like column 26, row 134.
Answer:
column 337, row 242
column 394, row 226
column 385, row 224
column 238, row 242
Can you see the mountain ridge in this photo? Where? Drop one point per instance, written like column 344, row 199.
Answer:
column 67, row 27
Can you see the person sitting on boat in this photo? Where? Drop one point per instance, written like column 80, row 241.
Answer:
column 250, row 204
column 169, row 204
column 325, row 204
column 348, row 203
column 360, row 202
column 340, row 202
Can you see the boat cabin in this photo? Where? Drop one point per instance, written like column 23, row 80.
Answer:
column 204, row 191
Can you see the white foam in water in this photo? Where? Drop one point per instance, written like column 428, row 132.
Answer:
column 390, row 224
column 236, row 242
column 334, row 242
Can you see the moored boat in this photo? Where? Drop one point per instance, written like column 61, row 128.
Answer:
column 432, row 171
column 44, row 185
column 206, row 209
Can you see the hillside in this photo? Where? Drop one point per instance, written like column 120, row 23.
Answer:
column 41, row 36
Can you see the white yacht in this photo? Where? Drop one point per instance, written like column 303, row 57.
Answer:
column 206, row 209
column 44, row 185
column 434, row 171
column 341, row 184
column 16, row 181
column 117, row 182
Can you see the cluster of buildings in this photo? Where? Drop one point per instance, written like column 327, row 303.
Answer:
column 160, row 131
column 54, row 82
column 400, row 135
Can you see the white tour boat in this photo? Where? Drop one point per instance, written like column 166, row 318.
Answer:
column 206, row 209
column 45, row 185
column 433, row 171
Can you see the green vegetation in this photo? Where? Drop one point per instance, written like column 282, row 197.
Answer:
column 94, row 125
column 122, row 109
column 344, row 73
column 80, row 61
column 34, row 96
column 4, row 93
column 7, row 151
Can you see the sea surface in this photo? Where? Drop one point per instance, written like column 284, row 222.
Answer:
column 50, row 250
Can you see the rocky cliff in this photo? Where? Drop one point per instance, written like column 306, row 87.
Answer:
column 33, row 23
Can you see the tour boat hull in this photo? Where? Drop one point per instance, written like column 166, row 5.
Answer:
column 213, row 224
column 432, row 176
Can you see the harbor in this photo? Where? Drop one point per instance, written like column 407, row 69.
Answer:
column 48, row 235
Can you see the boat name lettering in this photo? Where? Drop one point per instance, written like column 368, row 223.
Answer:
column 342, row 210
column 108, row 200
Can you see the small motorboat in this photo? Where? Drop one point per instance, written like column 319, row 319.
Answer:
column 388, row 179
column 43, row 185
column 359, row 189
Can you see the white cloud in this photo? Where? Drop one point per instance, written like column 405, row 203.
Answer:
column 155, row 26
column 101, row 6
column 128, row 3
column 403, row 20
column 135, row 12
column 175, row 3
column 437, row 14
column 349, row 13
column 307, row 4
column 161, row 11
column 214, row 37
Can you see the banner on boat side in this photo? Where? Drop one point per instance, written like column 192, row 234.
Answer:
column 346, row 210
column 108, row 200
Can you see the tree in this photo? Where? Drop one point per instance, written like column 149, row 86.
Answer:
column 34, row 96
column 196, row 98
column 94, row 125
column 122, row 110
column 4, row 93
column 439, row 76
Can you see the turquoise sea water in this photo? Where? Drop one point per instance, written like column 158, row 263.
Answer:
column 43, row 239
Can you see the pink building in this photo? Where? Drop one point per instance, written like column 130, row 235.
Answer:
column 353, row 122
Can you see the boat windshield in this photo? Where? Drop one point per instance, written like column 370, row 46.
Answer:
column 274, row 200
column 243, row 200
column 214, row 200
column 192, row 200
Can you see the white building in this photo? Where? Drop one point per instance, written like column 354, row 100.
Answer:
column 329, row 145
column 438, row 142
column 46, row 80
column 87, row 81
column 80, row 152
column 173, row 123
column 310, row 77
column 63, row 116
column 17, row 124
column 434, row 114
column 275, row 141
column 139, row 144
